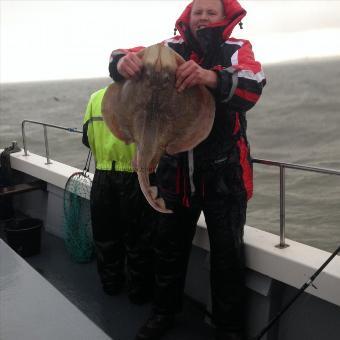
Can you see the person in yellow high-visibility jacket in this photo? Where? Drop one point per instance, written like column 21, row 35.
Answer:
column 122, row 220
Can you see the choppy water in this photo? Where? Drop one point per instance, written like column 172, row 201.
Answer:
column 297, row 120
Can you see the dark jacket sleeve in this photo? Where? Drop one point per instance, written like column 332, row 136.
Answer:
column 116, row 55
column 240, row 85
column 114, row 74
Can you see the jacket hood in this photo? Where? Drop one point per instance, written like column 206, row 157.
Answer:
column 234, row 14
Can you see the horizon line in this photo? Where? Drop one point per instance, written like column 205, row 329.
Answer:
column 270, row 63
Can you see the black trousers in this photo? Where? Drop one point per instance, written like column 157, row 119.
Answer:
column 223, row 202
column 122, row 224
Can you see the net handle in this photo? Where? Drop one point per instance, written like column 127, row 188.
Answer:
column 88, row 162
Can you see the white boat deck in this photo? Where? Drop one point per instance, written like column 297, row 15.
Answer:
column 32, row 309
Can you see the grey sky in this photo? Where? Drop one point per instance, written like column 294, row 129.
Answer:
column 294, row 15
column 73, row 39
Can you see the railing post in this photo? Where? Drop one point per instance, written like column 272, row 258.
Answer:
column 24, row 137
column 45, row 135
column 282, row 167
column 46, row 146
column 282, row 243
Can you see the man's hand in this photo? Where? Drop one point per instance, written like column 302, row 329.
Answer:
column 130, row 65
column 190, row 74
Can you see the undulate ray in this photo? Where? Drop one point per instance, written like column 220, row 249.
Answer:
column 150, row 112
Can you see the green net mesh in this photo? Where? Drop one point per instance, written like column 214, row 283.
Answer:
column 77, row 217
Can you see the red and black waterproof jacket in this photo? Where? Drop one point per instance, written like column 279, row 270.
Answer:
column 240, row 83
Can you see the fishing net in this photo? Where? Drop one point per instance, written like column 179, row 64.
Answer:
column 77, row 215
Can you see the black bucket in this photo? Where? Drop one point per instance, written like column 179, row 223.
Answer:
column 24, row 236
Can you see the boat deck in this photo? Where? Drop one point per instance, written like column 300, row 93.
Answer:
column 115, row 315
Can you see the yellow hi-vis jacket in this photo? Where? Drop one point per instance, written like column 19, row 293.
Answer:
column 105, row 147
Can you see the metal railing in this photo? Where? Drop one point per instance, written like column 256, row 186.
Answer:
column 282, row 167
column 45, row 125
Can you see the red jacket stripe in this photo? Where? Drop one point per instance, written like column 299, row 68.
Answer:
column 247, row 172
column 249, row 96
column 237, row 124
column 246, row 60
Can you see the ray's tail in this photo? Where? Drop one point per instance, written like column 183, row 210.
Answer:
column 146, row 153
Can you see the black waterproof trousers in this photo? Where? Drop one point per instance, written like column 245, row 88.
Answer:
column 122, row 224
column 220, row 195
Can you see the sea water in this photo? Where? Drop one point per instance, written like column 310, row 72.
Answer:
column 297, row 120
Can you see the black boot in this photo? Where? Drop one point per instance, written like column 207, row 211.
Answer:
column 155, row 327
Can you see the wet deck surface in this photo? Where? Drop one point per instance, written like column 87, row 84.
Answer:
column 115, row 315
